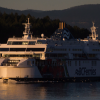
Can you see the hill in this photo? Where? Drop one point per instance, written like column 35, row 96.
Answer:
column 81, row 16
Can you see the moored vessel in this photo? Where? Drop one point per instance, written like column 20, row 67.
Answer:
column 58, row 58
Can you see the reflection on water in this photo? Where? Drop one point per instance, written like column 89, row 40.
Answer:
column 50, row 91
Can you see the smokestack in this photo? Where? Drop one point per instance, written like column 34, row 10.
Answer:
column 61, row 25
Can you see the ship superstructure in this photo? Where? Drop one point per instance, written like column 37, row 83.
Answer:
column 60, row 57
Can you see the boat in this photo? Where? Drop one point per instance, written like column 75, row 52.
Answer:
column 58, row 58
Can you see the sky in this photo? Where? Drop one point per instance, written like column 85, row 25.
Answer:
column 44, row 5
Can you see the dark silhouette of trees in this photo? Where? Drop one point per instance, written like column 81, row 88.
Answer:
column 78, row 32
column 11, row 25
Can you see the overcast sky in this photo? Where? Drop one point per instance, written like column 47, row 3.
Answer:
column 44, row 4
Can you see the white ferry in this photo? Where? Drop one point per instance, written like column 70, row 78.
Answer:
column 59, row 58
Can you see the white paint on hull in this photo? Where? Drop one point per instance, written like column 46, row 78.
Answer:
column 13, row 72
column 84, row 70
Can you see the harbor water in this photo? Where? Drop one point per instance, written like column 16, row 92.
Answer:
column 50, row 91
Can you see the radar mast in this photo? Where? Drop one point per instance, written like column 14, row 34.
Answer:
column 27, row 30
column 93, row 31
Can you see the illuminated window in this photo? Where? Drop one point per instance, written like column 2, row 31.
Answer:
column 25, row 43
column 75, row 63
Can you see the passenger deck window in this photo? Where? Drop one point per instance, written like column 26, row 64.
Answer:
column 17, row 49
column 32, row 43
column 20, row 43
column 36, row 55
column 16, row 43
column 33, row 62
column 4, row 49
column 9, row 43
column 39, row 42
column 25, row 43
column 35, row 49
column 17, row 55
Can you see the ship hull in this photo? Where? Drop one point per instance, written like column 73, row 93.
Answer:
column 53, row 71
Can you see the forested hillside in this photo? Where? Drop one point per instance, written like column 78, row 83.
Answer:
column 11, row 25
column 81, row 16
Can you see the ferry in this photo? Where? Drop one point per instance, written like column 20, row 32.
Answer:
column 58, row 58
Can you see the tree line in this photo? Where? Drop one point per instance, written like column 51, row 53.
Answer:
column 11, row 25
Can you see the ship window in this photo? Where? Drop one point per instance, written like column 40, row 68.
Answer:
column 75, row 63
column 4, row 49
column 25, row 43
column 33, row 62
column 53, row 62
column 28, row 55
column 35, row 49
column 79, row 63
column 17, row 49
column 59, row 55
column 39, row 42
column 9, row 43
column 20, row 43
column 36, row 55
column 31, row 42
column 16, row 43
column 93, row 49
column 0, row 55
column 46, row 55
column 91, row 55
column 79, row 49
column 18, row 55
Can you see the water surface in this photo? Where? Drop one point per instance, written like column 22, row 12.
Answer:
column 50, row 91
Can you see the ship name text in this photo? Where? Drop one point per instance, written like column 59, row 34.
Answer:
column 85, row 71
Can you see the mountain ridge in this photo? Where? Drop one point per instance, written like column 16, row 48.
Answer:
column 81, row 16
